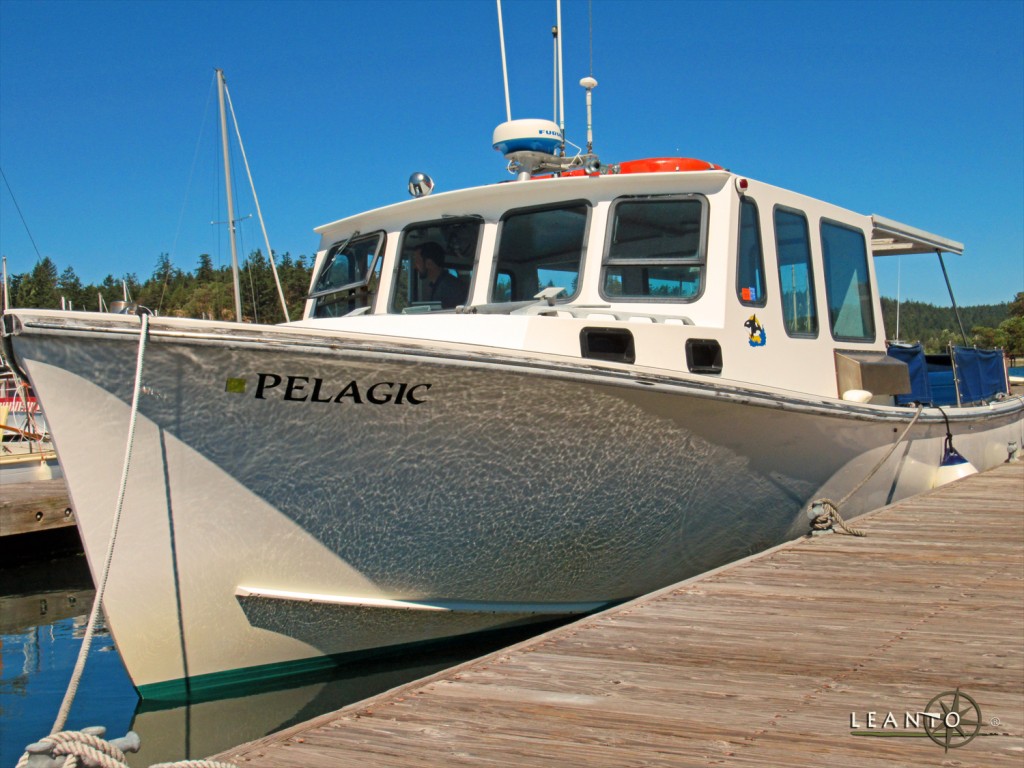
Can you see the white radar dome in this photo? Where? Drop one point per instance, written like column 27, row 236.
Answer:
column 528, row 135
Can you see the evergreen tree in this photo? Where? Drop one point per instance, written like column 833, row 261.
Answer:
column 70, row 288
column 38, row 289
column 205, row 272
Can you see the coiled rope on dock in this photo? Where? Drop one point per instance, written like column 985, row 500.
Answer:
column 830, row 518
column 88, row 749
column 70, row 749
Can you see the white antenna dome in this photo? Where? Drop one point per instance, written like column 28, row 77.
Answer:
column 527, row 135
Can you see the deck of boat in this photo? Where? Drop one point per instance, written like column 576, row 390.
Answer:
column 775, row 660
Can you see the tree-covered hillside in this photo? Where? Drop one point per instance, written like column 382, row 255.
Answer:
column 986, row 325
column 207, row 293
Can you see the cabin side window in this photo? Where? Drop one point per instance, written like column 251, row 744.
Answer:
column 796, row 276
column 349, row 276
column 750, row 282
column 538, row 249
column 435, row 265
column 656, row 249
column 847, row 285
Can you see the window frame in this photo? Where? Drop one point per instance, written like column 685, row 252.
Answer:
column 496, row 264
column 701, row 260
column 811, row 287
column 763, row 299
column 442, row 221
column 372, row 270
column 867, row 302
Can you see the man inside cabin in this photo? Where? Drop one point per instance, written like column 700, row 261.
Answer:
column 442, row 285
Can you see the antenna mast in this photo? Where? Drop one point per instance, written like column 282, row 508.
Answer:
column 504, row 66
column 554, row 74
column 259, row 212
column 231, row 201
column 561, row 88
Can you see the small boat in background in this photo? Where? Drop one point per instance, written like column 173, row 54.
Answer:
column 26, row 451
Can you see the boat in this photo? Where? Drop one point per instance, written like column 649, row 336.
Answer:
column 648, row 369
column 26, row 452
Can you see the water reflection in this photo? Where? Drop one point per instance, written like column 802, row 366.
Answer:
column 43, row 611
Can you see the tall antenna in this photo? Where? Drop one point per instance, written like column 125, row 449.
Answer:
column 554, row 74
column 561, row 87
column 590, row 19
column 504, row 66
column 590, row 84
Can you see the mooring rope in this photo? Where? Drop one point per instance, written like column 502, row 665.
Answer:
column 97, row 604
column 88, row 748
column 831, row 517
column 80, row 747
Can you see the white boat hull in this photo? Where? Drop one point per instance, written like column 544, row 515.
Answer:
column 467, row 490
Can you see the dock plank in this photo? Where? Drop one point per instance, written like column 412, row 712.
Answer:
column 761, row 662
column 41, row 505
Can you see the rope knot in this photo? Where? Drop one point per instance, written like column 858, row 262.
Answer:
column 825, row 518
column 88, row 749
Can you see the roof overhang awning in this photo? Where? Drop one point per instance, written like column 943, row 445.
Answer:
column 890, row 238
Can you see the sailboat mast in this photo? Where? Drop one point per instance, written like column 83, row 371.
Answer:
column 231, row 201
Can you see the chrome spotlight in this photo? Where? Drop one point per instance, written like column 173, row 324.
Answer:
column 420, row 185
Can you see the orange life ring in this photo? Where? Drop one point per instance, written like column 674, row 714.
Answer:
column 650, row 165
column 667, row 164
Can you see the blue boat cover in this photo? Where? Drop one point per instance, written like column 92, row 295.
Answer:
column 980, row 374
column 920, row 387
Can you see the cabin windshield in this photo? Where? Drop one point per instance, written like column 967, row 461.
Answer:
column 349, row 277
column 656, row 249
column 540, row 248
column 435, row 265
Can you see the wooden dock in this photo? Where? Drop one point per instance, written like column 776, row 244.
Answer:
column 41, row 505
column 777, row 660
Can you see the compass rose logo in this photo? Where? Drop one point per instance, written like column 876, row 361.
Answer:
column 952, row 719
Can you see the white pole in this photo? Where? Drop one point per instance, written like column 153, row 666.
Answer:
column 590, row 84
column 561, row 87
column 259, row 213
column 231, row 201
column 554, row 74
column 504, row 67
column 899, row 265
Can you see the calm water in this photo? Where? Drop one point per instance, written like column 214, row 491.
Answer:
column 43, row 611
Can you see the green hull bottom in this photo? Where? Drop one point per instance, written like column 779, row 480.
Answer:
column 246, row 681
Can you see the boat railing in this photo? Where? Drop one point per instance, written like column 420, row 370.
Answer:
column 603, row 312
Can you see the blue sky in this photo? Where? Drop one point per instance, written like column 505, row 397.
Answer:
column 912, row 110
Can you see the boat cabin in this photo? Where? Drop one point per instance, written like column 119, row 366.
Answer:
column 671, row 264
